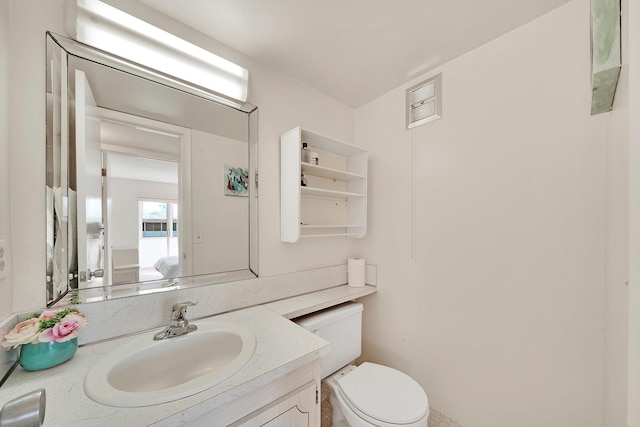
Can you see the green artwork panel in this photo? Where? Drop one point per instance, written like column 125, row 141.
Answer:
column 605, row 53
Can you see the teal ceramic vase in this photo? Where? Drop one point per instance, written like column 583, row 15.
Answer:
column 44, row 355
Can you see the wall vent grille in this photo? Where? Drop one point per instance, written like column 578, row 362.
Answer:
column 424, row 102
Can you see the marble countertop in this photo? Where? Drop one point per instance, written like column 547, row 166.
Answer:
column 282, row 347
column 313, row 301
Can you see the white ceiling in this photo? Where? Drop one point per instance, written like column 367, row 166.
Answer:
column 354, row 50
column 134, row 165
column 142, row 169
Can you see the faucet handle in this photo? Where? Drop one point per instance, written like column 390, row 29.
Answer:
column 179, row 310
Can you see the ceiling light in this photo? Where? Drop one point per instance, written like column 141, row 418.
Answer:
column 105, row 27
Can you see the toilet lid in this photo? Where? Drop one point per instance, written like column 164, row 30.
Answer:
column 385, row 394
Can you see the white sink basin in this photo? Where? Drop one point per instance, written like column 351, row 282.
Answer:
column 145, row 372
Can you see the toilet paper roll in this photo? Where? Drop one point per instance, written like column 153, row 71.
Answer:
column 355, row 272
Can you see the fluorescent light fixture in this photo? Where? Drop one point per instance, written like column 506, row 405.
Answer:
column 110, row 29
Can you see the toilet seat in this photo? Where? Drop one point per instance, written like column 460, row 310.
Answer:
column 383, row 396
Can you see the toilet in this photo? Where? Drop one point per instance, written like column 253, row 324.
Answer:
column 369, row 394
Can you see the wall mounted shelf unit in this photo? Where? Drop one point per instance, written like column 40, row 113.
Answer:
column 334, row 200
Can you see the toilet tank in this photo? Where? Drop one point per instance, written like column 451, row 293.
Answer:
column 341, row 326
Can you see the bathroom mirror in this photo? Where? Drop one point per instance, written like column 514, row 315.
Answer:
column 151, row 181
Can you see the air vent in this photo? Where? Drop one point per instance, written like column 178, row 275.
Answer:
column 424, row 102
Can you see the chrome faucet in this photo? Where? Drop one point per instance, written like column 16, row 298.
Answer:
column 179, row 324
column 24, row 411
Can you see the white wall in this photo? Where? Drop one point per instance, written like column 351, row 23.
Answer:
column 491, row 254
column 632, row 15
column 283, row 104
column 220, row 219
column 616, row 261
column 29, row 21
column 616, row 249
column 5, row 284
column 125, row 194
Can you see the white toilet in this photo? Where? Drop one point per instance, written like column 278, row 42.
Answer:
column 370, row 394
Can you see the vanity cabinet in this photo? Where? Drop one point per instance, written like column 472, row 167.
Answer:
column 298, row 409
column 289, row 400
column 331, row 200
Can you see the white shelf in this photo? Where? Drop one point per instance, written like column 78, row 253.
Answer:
column 336, row 193
column 328, row 230
column 329, row 225
column 305, row 236
column 324, row 172
column 313, row 191
column 314, row 301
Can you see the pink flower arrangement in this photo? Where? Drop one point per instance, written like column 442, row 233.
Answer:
column 50, row 325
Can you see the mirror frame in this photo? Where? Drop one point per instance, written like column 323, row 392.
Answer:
column 58, row 170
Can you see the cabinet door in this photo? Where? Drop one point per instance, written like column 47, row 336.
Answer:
column 298, row 409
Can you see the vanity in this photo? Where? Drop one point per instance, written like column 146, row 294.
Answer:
column 278, row 386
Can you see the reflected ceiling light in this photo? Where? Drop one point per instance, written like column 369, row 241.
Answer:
column 110, row 29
